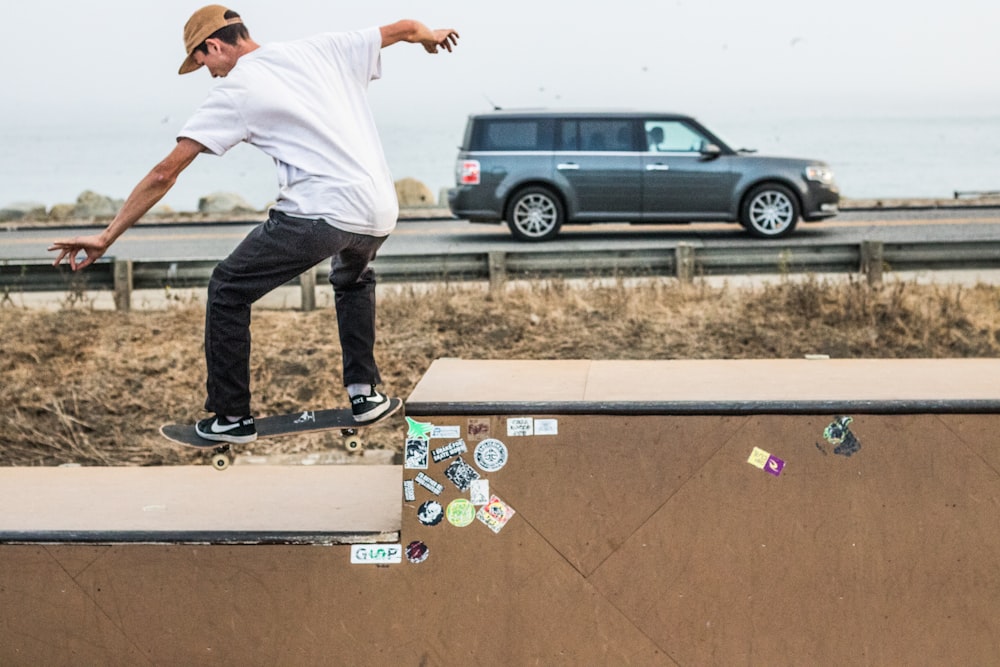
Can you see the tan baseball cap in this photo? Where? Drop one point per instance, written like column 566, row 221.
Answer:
column 200, row 27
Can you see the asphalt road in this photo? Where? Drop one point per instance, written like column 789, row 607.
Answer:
column 213, row 241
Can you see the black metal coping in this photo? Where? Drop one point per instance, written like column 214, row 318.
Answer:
column 729, row 407
column 101, row 537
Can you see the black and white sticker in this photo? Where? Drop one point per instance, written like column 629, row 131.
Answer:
column 461, row 474
column 428, row 483
column 430, row 513
column 491, row 455
column 447, row 451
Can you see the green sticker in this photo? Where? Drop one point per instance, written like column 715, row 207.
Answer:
column 460, row 512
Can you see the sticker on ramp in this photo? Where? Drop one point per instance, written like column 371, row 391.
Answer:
column 766, row 461
column 376, row 554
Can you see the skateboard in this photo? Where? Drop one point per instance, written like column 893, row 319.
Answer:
column 275, row 426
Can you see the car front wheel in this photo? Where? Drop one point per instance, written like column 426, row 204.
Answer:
column 770, row 211
column 535, row 214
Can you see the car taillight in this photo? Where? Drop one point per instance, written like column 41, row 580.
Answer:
column 468, row 172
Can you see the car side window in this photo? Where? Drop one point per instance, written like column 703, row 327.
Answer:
column 603, row 135
column 673, row 136
column 513, row 135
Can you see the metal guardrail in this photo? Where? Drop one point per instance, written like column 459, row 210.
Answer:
column 685, row 262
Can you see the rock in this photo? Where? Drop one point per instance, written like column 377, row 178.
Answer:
column 224, row 202
column 22, row 210
column 413, row 194
column 61, row 212
column 92, row 205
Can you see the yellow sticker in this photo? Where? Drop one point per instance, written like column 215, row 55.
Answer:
column 758, row 458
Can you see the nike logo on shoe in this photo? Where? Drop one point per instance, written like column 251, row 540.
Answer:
column 220, row 428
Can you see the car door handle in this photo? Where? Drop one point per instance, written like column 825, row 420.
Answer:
column 658, row 167
column 567, row 166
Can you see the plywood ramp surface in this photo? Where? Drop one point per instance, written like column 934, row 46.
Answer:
column 196, row 502
column 709, row 386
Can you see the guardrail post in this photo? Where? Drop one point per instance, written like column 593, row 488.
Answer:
column 123, row 284
column 871, row 261
column 684, row 262
column 497, row 268
column 307, row 281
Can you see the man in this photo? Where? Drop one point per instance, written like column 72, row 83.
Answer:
column 304, row 103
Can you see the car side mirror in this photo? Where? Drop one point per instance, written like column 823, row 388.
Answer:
column 710, row 152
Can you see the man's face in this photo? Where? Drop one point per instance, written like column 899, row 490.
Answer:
column 220, row 59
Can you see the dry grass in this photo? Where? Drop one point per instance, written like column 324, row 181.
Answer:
column 92, row 387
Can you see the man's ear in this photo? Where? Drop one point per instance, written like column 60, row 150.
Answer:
column 213, row 45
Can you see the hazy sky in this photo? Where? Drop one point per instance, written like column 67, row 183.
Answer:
column 115, row 61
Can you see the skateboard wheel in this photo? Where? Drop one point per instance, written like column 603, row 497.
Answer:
column 220, row 461
column 352, row 443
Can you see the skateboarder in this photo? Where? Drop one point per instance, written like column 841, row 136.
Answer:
column 304, row 103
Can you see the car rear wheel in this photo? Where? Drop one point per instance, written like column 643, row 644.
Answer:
column 535, row 214
column 770, row 211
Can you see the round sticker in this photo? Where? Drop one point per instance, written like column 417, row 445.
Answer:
column 461, row 512
column 430, row 513
column 491, row 455
column 416, row 552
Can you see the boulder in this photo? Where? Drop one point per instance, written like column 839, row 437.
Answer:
column 224, row 202
column 22, row 210
column 413, row 194
column 61, row 212
column 92, row 205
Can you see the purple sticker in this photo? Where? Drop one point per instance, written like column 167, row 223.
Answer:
column 774, row 466
column 416, row 552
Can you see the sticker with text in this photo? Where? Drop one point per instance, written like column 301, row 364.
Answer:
column 376, row 554
column 490, row 455
column 478, row 428
column 448, row 451
column 766, row 461
column 446, row 432
column 546, row 427
column 428, row 483
column 519, row 426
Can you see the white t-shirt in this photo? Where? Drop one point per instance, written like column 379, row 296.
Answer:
column 305, row 104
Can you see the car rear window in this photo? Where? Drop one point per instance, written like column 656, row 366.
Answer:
column 515, row 134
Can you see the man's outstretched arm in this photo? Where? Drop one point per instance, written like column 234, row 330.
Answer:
column 145, row 195
column 416, row 32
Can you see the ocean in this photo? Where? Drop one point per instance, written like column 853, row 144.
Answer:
column 910, row 157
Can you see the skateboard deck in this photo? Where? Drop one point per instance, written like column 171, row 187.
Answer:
column 308, row 421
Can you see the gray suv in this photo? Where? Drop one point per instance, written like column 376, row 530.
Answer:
column 537, row 170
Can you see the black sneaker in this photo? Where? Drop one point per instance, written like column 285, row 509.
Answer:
column 220, row 429
column 369, row 408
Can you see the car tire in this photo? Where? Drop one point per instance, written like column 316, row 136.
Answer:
column 535, row 214
column 770, row 211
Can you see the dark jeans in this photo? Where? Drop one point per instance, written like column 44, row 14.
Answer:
column 271, row 255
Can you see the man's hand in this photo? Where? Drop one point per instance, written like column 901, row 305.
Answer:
column 446, row 38
column 69, row 249
column 416, row 32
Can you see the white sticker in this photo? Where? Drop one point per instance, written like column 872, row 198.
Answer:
column 546, row 427
column 428, row 483
column 479, row 491
column 490, row 455
column 446, row 432
column 376, row 554
column 517, row 426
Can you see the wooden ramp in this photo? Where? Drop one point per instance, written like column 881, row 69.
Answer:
column 200, row 505
column 665, row 513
